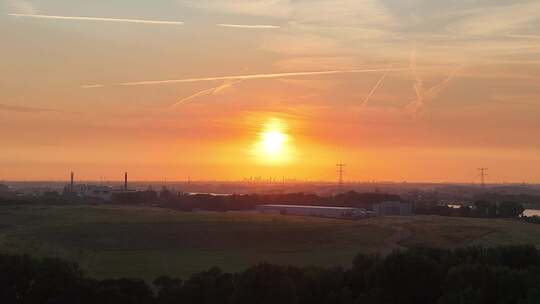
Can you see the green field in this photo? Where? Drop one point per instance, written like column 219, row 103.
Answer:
column 111, row 241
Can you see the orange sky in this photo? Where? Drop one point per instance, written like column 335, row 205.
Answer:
column 415, row 91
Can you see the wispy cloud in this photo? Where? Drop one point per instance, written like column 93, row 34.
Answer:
column 518, row 36
column 248, row 26
column 314, row 11
column 497, row 19
column 99, row 19
column 272, row 8
column 211, row 91
column 91, row 86
column 23, row 109
column 21, row 6
column 375, row 87
column 257, row 76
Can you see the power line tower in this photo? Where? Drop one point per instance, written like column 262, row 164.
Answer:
column 340, row 171
column 483, row 174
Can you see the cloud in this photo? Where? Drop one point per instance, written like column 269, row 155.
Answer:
column 271, row 8
column 497, row 19
column 22, row 7
column 249, row 77
column 99, row 19
column 313, row 11
column 249, row 26
column 22, row 109
column 523, row 36
column 305, row 62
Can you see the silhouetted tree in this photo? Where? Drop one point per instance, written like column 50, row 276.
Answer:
column 510, row 209
column 265, row 284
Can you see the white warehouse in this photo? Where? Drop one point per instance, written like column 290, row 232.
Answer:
column 317, row 211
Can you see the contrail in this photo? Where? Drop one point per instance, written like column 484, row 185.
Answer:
column 523, row 36
column 418, row 83
column 249, row 26
column 436, row 90
column 22, row 109
column 91, row 86
column 377, row 85
column 143, row 21
column 214, row 90
column 253, row 76
column 421, row 94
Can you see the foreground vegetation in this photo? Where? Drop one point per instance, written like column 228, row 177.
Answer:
column 116, row 241
column 505, row 275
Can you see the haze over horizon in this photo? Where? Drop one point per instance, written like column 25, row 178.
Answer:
column 413, row 90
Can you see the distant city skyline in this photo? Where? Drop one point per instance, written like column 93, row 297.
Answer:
column 419, row 91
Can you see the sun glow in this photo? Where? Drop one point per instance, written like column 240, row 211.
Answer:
column 273, row 142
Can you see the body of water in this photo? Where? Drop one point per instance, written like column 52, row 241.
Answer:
column 531, row 212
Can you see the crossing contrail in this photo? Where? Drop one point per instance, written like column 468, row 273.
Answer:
column 423, row 95
column 142, row 21
column 377, row 85
column 213, row 91
column 245, row 77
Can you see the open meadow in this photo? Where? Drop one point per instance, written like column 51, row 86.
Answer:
column 115, row 241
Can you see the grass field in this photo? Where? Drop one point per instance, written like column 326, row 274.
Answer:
column 111, row 241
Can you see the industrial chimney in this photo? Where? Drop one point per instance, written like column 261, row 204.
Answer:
column 71, row 184
column 125, row 181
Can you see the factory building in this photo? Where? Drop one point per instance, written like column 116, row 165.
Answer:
column 316, row 211
column 392, row 208
column 127, row 197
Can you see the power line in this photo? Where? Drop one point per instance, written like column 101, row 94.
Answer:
column 483, row 174
column 340, row 171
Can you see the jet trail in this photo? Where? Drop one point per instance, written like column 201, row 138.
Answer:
column 523, row 36
column 213, row 91
column 22, row 109
column 249, row 26
column 142, row 21
column 421, row 94
column 255, row 76
column 91, row 86
column 377, row 85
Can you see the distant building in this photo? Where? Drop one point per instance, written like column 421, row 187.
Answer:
column 392, row 208
column 89, row 191
column 4, row 188
column 130, row 197
column 316, row 211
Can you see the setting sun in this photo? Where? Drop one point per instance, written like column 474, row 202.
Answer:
column 273, row 142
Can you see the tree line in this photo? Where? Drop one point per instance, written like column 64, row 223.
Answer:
column 480, row 208
column 188, row 202
column 504, row 275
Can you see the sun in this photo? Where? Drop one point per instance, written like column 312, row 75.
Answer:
column 273, row 142
column 272, row 145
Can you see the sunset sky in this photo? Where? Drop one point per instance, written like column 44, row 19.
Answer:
column 416, row 90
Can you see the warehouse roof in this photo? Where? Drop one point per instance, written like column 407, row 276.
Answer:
column 311, row 207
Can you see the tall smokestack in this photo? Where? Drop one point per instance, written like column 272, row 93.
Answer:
column 125, row 181
column 71, row 183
